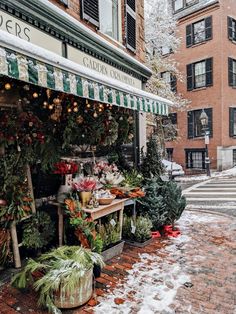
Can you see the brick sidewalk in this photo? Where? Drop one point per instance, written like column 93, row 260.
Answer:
column 194, row 273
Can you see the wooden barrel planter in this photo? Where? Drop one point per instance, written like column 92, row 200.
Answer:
column 79, row 296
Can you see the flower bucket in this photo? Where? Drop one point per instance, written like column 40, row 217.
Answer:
column 85, row 197
column 81, row 294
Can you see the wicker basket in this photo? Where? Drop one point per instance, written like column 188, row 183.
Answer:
column 79, row 296
column 106, row 201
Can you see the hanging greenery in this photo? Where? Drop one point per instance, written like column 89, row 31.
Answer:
column 38, row 231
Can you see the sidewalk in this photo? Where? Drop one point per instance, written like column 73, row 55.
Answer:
column 194, row 273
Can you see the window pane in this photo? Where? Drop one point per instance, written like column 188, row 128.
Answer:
column 166, row 77
column 197, row 124
column 199, row 32
column 178, row 4
column 234, row 122
column 109, row 17
column 197, row 159
column 200, row 74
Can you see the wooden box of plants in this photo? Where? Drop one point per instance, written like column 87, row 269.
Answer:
column 137, row 231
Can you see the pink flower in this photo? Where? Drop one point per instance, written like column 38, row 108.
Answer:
column 85, row 184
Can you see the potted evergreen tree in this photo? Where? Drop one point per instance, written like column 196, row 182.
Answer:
column 63, row 277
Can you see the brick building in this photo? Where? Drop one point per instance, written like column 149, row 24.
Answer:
column 207, row 58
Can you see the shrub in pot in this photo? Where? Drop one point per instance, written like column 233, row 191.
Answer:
column 138, row 230
column 163, row 202
column 63, row 277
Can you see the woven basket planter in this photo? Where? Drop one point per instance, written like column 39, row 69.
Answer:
column 79, row 296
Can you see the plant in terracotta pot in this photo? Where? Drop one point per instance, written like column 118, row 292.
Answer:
column 85, row 186
column 63, row 277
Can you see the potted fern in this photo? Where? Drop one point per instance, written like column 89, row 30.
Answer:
column 63, row 277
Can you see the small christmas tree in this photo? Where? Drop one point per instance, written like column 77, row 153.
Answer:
column 151, row 161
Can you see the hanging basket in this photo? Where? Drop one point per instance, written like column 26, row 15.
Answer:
column 81, row 294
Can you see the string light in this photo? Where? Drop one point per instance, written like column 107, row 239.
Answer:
column 75, row 104
column 69, row 110
column 100, row 109
column 75, row 109
column 7, row 86
column 35, row 95
column 56, row 101
column 95, row 115
column 50, row 107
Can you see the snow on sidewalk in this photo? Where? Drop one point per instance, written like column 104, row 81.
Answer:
column 166, row 282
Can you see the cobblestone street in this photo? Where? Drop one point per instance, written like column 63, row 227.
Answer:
column 194, row 273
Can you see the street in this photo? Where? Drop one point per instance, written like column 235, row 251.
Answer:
column 216, row 194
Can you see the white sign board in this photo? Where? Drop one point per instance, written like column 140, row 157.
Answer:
column 101, row 67
column 29, row 33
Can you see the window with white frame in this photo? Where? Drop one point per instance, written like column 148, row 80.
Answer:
column 232, row 72
column 109, row 18
column 200, row 74
column 178, row 5
column 199, row 33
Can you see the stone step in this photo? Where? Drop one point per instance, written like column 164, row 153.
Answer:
column 209, row 199
column 204, row 189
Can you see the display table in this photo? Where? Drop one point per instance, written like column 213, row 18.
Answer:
column 103, row 210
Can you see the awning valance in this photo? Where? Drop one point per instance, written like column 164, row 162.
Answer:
column 27, row 62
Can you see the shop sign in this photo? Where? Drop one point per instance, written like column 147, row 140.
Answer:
column 16, row 27
column 102, row 67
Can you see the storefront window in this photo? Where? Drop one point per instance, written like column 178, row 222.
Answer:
column 109, row 21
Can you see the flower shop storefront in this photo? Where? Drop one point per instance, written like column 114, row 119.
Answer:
column 62, row 128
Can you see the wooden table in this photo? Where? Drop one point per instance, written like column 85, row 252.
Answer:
column 117, row 205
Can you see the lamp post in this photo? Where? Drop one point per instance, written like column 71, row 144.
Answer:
column 204, row 123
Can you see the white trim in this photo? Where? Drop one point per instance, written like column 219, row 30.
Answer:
column 93, row 35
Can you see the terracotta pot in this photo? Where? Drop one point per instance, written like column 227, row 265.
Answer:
column 85, row 197
column 80, row 295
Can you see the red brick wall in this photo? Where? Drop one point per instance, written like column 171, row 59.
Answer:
column 220, row 96
column 74, row 10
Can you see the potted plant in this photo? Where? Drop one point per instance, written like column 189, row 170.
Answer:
column 137, row 231
column 85, row 186
column 63, row 277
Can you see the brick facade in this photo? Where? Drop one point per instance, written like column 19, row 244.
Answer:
column 74, row 10
column 219, row 97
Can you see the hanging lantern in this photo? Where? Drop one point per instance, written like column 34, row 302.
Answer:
column 56, row 101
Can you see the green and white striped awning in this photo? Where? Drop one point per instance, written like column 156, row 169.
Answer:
column 21, row 67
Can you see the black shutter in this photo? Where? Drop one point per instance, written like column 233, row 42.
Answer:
column 173, row 83
column 209, row 113
column 189, row 35
column 190, row 84
column 230, row 28
column 209, row 72
column 230, row 71
column 208, row 27
column 131, row 24
column 90, row 11
column 190, row 124
column 231, row 122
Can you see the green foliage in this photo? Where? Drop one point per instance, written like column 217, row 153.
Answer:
column 174, row 200
column 132, row 178
column 61, row 270
column 151, row 161
column 109, row 232
column 83, row 225
column 141, row 227
column 38, row 231
column 163, row 202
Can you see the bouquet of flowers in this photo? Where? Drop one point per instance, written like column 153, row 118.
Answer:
column 86, row 184
column 102, row 167
column 64, row 167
